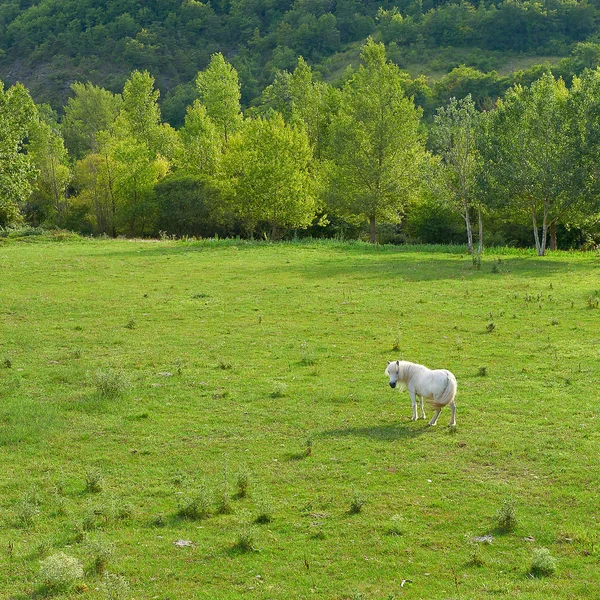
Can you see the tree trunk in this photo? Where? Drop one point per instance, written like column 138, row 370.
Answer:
column 467, row 219
column 372, row 234
column 480, row 247
column 553, row 243
column 536, row 235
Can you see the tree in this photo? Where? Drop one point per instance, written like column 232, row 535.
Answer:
column 91, row 110
column 376, row 147
column 301, row 99
column 219, row 91
column 267, row 177
column 453, row 136
column 17, row 113
column 526, row 149
column 200, row 145
column 140, row 116
column 49, row 155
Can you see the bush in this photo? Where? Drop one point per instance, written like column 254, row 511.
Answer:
column 542, row 563
column 111, row 382
column 60, row 570
column 506, row 517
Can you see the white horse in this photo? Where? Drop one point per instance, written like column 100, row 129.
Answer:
column 438, row 387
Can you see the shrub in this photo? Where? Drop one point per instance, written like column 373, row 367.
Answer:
column 102, row 553
column 94, row 480
column 543, row 563
column 395, row 526
column 357, row 503
column 110, row 383
column 114, row 587
column 246, row 540
column 506, row 517
column 60, row 570
column 243, row 483
column 195, row 507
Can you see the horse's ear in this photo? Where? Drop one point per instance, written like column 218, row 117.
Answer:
column 389, row 363
column 398, row 362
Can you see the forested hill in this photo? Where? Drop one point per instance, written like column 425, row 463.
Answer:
column 49, row 44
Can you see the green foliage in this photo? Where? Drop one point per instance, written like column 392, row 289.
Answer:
column 60, row 571
column 543, row 564
column 267, row 176
column 17, row 115
column 376, row 148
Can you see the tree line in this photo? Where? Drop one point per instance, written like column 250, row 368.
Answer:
column 51, row 42
column 308, row 157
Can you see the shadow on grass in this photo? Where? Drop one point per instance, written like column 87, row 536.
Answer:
column 380, row 432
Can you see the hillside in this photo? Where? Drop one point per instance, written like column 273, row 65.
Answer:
column 48, row 44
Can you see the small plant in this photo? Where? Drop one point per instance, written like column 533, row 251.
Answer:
column 506, row 517
column 554, row 321
column 308, row 446
column 195, row 507
column 246, row 540
column 593, row 301
column 158, row 521
column 26, row 512
column 114, row 587
column 395, row 526
column 265, row 510
column 224, row 505
column 94, row 480
column 308, row 361
column 357, row 503
column 476, row 558
column 110, row 383
column 7, row 363
column 224, row 365
column 482, row 372
column 102, row 553
column 60, row 571
column 242, row 483
column 490, row 327
column 495, row 269
column 543, row 564
column 279, row 390
column 131, row 323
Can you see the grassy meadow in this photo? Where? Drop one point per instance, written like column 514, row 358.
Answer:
column 211, row 420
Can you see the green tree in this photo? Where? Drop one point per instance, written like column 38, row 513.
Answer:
column 376, row 149
column 200, row 145
column 267, row 176
column 453, row 136
column 219, row 91
column 17, row 113
column 91, row 110
column 527, row 154
column 301, row 99
column 132, row 171
column 140, row 116
column 49, row 155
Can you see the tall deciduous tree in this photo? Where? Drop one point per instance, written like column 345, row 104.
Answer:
column 91, row 110
column 528, row 162
column 219, row 91
column 376, row 148
column 49, row 155
column 266, row 172
column 17, row 112
column 200, row 145
column 454, row 138
column 299, row 98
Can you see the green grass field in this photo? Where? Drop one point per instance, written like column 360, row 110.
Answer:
column 145, row 385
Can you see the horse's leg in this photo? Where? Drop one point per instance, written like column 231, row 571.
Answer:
column 422, row 409
column 435, row 417
column 452, row 414
column 413, row 398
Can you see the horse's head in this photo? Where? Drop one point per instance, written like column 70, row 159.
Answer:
column 392, row 372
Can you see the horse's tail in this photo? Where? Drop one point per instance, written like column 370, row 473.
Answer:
column 449, row 392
